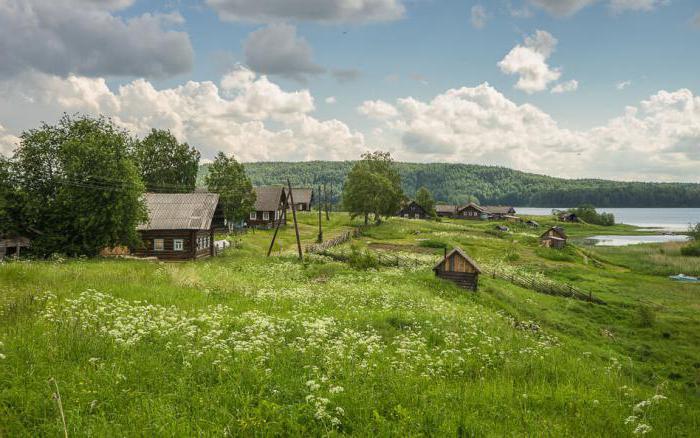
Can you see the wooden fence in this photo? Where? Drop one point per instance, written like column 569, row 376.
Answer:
column 318, row 248
column 549, row 288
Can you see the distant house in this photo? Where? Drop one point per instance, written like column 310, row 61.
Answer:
column 568, row 217
column 413, row 211
column 269, row 206
column 303, row 198
column 498, row 212
column 459, row 268
column 555, row 237
column 12, row 245
column 445, row 210
column 533, row 224
column 471, row 211
column 180, row 226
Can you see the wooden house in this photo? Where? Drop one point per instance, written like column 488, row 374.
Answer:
column 459, row 268
column 303, row 198
column 568, row 217
column 13, row 245
column 180, row 226
column 471, row 211
column 532, row 224
column 269, row 207
column 555, row 237
column 413, row 211
column 499, row 212
column 445, row 210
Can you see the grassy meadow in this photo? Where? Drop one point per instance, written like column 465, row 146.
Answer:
column 245, row 345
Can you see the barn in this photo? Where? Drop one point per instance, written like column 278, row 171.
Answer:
column 555, row 237
column 499, row 212
column 445, row 210
column 180, row 226
column 459, row 268
column 471, row 211
column 413, row 211
column 269, row 205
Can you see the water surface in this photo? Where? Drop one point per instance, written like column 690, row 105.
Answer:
column 614, row 240
column 668, row 219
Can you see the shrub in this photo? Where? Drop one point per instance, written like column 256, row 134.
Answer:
column 362, row 260
column 588, row 214
column 692, row 250
column 647, row 316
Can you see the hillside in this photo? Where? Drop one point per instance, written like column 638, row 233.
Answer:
column 245, row 345
column 456, row 183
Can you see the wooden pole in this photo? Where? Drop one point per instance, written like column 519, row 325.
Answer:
column 294, row 215
column 277, row 227
column 326, row 198
column 320, row 229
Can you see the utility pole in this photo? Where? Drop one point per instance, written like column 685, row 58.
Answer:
column 320, row 229
column 327, row 198
column 294, row 215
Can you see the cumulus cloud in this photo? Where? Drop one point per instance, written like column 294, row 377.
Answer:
column 8, row 142
column 656, row 140
column 478, row 16
column 565, row 87
column 377, row 109
column 277, row 50
column 82, row 37
column 529, row 62
column 323, row 11
column 623, row 84
column 245, row 114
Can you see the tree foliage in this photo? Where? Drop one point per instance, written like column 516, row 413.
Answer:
column 165, row 164
column 80, row 191
column 373, row 187
column 227, row 177
column 425, row 199
column 588, row 214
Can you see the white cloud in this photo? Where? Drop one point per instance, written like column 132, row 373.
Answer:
column 331, row 100
column 82, row 37
column 377, row 109
column 619, row 6
column 657, row 140
column 565, row 87
column 529, row 62
column 478, row 16
column 246, row 115
column 562, row 8
column 623, row 84
column 324, row 11
column 8, row 142
column 277, row 50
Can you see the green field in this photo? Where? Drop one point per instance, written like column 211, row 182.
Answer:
column 243, row 345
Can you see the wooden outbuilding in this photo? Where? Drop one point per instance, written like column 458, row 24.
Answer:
column 471, row 211
column 180, row 226
column 13, row 245
column 568, row 217
column 269, row 206
column 498, row 212
column 445, row 210
column 459, row 268
column 412, row 211
column 555, row 237
column 303, row 198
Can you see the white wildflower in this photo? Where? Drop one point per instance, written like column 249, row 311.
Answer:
column 642, row 429
column 631, row 419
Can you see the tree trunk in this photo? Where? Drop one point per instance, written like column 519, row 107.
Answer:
column 366, row 218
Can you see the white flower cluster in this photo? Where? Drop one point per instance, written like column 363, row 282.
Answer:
column 641, row 412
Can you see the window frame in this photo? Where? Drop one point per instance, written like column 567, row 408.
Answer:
column 266, row 216
column 156, row 246
column 253, row 216
column 180, row 243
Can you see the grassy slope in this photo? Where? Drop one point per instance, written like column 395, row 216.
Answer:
column 241, row 344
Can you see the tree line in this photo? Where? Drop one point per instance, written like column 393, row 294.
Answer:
column 77, row 186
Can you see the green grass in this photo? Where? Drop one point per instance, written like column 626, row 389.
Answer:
column 247, row 345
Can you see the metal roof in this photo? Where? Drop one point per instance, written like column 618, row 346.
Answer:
column 179, row 211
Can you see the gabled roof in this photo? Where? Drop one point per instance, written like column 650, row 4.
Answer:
column 445, row 208
column 413, row 203
column 268, row 198
column 558, row 230
column 179, row 211
column 461, row 253
column 473, row 205
column 302, row 195
column 498, row 209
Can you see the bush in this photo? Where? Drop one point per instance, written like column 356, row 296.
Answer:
column 692, row 250
column 647, row 316
column 588, row 214
column 362, row 260
column 432, row 243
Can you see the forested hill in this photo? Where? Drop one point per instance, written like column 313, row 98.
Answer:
column 458, row 183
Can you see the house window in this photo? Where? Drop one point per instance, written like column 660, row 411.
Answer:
column 253, row 215
column 158, row 245
column 178, row 244
column 266, row 215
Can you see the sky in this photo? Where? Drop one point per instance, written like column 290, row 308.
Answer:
column 570, row 88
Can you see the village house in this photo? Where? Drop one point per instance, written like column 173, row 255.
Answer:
column 180, row 226
column 555, row 237
column 269, row 206
column 471, row 211
column 303, row 198
column 499, row 212
column 413, row 211
column 568, row 217
column 445, row 210
column 459, row 268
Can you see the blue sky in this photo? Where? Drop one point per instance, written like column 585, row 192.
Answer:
column 408, row 76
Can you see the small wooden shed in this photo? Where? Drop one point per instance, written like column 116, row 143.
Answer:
column 555, row 237
column 12, row 245
column 459, row 268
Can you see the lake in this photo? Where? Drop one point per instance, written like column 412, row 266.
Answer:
column 668, row 219
column 632, row 240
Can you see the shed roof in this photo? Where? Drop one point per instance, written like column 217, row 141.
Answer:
column 559, row 230
column 267, row 198
column 445, row 208
column 302, row 195
column 459, row 251
column 179, row 211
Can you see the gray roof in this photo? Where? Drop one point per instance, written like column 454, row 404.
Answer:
column 302, row 195
column 559, row 230
column 445, row 208
column 267, row 198
column 463, row 254
column 498, row 209
column 179, row 211
column 473, row 205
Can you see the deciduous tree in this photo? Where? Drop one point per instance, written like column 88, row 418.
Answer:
column 373, row 187
column 425, row 199
column 227, row 177
column 165, row 164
